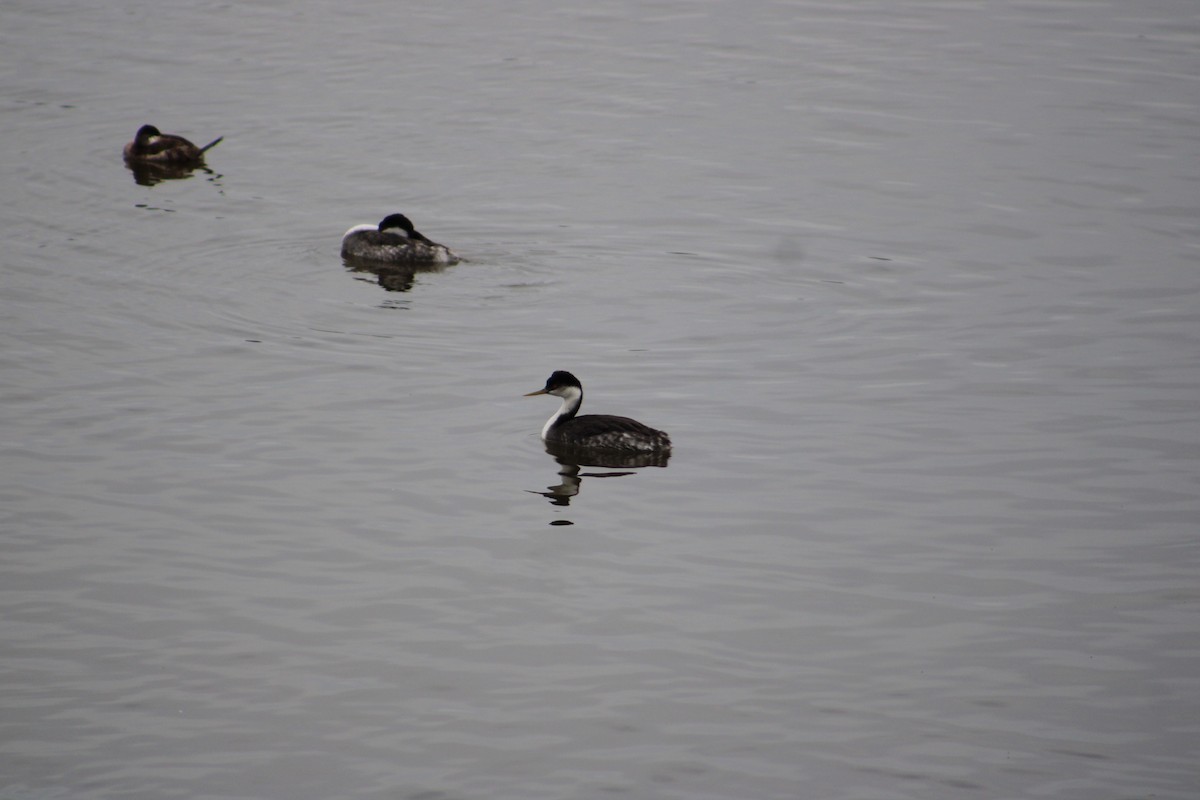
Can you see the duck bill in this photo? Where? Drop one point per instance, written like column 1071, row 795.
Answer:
column 539, row 391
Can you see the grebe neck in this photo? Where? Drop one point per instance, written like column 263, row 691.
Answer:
column 572, row 399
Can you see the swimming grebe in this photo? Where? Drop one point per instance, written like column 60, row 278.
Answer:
column 152, row 145
column 601, row 431
column 394, row 241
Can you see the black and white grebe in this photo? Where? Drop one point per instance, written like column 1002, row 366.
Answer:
column 599, row 431
column 152, row 145
column 394, row 241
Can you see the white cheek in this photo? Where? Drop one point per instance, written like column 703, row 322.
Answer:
column 359, row 229
column 403, row 234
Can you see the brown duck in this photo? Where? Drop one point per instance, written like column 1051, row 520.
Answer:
column 153, row 146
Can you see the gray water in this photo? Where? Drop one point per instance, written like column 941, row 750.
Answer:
column 912, row 285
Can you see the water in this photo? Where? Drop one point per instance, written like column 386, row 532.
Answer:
column 913, row 287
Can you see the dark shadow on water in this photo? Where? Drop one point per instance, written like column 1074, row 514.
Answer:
column 572, row 460
column 392, row 277
column 149, row 174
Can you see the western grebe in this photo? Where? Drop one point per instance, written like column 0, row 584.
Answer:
column 152, row 145
column 394, row 241
column 600, row 431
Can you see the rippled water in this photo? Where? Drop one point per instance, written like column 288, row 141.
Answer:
column 913, row 287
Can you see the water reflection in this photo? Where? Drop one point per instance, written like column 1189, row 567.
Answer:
column 147, row 173
column 392, row 277
column 571, row 460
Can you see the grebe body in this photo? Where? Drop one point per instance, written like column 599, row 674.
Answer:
column 594, row 431
column 394, row 241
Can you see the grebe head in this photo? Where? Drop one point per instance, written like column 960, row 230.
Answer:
column 398, row 225
column 560, row 384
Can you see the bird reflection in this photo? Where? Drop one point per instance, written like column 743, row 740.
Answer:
column 149, row 173
column 392, row 277
column 571, row 461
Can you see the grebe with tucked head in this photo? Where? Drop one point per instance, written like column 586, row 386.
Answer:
column 394, row 241
column 600, row 431
column 152, row 145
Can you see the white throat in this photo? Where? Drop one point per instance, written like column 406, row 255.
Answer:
column 572, row 398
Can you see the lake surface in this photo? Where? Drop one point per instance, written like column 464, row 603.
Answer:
column 914, row 287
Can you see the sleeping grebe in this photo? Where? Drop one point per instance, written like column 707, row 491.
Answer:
column 394, row 241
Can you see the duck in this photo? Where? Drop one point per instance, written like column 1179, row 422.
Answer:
column 594, row 431
column 394, row 241
column 153, row 146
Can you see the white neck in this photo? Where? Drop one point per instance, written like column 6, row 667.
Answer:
column 360, row 229
column 572, row 398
